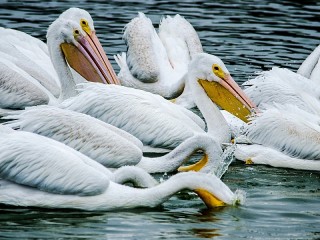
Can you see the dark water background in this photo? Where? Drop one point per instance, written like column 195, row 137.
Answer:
column 249, row 36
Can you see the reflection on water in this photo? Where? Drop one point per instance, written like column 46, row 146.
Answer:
column 249, row 36
column 205, row 233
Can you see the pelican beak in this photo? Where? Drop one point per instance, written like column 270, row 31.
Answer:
column 209, row 199
column 229, row 96
column 89, row 60
column 195, row 167
column 103, row 57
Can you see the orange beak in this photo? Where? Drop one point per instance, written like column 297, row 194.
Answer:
column 234, row 89
column 229, row 96
column 89, row 60
column 96, row 45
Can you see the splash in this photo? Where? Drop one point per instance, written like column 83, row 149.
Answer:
column 225, row 160
column 239, row 197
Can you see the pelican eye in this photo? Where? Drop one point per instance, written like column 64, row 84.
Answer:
column 76, row 32
column 84, row 23
column 217, row 70
column 85, row 26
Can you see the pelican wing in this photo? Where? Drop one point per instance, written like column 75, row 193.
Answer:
column 133, row 111
column 180, row 40
column 146, row 64
column 177, row 111
column 18, row 89
column 158, row 63
column 285, row 87
column 35, row 161
column 31, row 55
column 88, row 135
column 288, row 129
column 123, row 134
column 143, row 45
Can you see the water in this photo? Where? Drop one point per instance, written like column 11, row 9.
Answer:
column 249, row 36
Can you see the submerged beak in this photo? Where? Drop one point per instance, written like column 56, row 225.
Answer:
column 229, row 96
column 209, row 199
column 89, row 60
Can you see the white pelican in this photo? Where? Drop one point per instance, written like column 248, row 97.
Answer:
column 285, row 133
column 283, row 136
column 63, row 36
column 108, row 145
column 39, row 172
column 155, row 62
column 21, row 55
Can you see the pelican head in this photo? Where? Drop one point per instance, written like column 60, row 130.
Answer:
column 77, row 14
column 81, row 50
column 84, row 19
column 213, row 76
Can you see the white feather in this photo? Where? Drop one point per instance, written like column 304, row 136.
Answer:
column 283, row 136
column 88, row 135
column 285, row 87
column 287, row 129
column 158, row 63
column 142, row 114
column 31, row 55
column 139, row 36
column 42, row 163
column 19, row 89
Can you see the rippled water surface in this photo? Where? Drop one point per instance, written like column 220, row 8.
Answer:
column 249, row 36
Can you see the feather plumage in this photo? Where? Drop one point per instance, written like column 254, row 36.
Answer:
column 144, row 117
column 283, row 86
column 32, row 58
column 287, row 129
column 158, row 63
column 88, row 135
column 42, row 163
